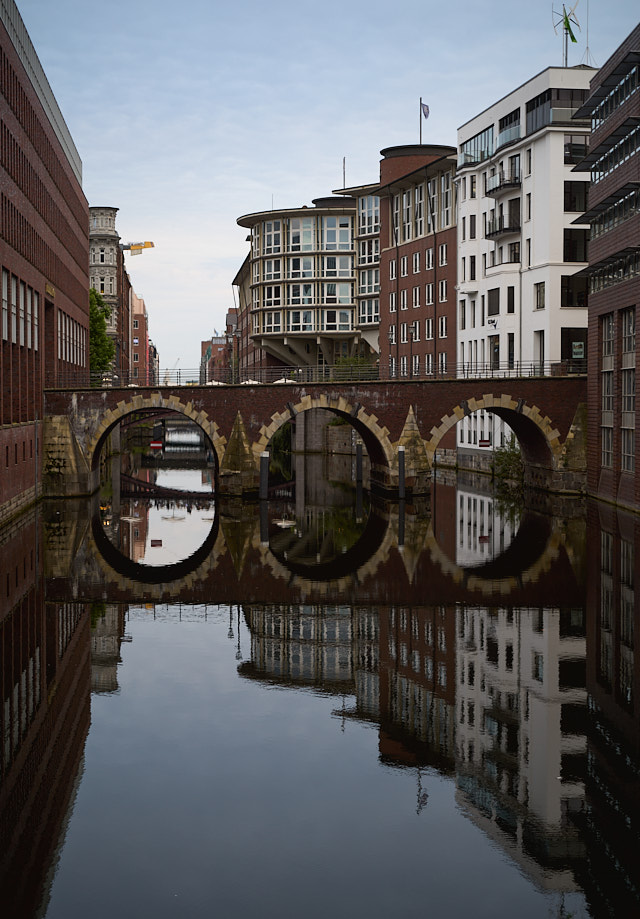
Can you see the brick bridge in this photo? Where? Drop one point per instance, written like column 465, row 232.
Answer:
column 547, row 414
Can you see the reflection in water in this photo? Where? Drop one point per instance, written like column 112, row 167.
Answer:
column 161, row 526
column 505, row 745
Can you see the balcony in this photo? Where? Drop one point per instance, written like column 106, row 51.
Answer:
column 502, row 226
column 508, row 136
column 503, row 180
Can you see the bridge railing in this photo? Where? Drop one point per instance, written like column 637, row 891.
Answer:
column 338, row 373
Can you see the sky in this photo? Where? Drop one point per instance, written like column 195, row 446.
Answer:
column 187, row 117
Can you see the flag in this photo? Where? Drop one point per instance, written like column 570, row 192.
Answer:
column 567, row 26
column 425, row 109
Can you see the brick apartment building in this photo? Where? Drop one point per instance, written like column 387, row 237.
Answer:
column 417, row 335
column 44, row 257
column 613, row 213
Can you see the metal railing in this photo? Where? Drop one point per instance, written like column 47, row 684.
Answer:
column 338, row 373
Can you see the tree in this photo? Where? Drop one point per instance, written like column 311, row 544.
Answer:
column 101, row 347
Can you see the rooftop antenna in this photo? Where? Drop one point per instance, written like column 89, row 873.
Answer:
column 587, row 57
column 565, row 19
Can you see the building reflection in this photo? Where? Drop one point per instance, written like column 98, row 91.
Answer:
column 44, row 719
column 531, row 710
column 611, row 822
column 521, row 744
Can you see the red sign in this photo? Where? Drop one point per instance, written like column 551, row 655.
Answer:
column 156, row 445
column 156, row 542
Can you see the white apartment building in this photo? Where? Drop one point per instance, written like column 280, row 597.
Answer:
column 521, row 307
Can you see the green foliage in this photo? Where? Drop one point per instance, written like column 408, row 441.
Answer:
column 101, row 347
column 508, row 469
column 507, row 461
column 280, row 465
column 97, row 612
column 355, row 368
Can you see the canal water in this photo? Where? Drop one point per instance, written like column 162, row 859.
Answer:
column 318, row 707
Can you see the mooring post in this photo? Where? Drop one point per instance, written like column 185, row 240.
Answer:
column 359, row 462
column 401, row 473
column 264, row 523
column 401, row 524
column 264, row 475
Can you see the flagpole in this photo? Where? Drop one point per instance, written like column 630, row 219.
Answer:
column 420, row 119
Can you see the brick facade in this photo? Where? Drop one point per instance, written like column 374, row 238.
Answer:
column 44, row 227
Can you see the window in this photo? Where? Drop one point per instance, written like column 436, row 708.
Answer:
column 445, row 200
column 415, row 365
column 442, row 254
column 442, row 291
column 419, row 210
column 336, row 293
column 393, row 305
column 272, row 321
column 463, row 315
column 135, row 323
column 472, row 267
column 472, row 226
column 407, row 222
column 369, row 251
column 368, row 214
column 404, row 266
column 336, row 232
column 334, row 266
column 428, row 364
column 135, row 357
column 392, row 269
column 392, row 334
column 442, row 362
column 493, row 302
column 442, row 327
column 403, row 299
column 628, row 445
column 272, row 269
column 428, row 259
column 369, row 281
column 511, row 291
column 5, row 304
column 415, row 329
column 369, row 311
column 428, row 329
column 416, row 262
column 606, row 455
column 528, row 206
column 472, row 186
column 403, row 365
column 403, row 333
column 272, row 236
column 538, row 295
column 416, row 297
column 272, row 295
column 428, row 294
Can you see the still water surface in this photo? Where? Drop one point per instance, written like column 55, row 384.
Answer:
column 446, row 729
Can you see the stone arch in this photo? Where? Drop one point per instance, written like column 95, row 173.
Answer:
column 154, row 402
column 374, row 436
column 538, row 437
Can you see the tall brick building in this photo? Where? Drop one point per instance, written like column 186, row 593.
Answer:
column 44, row 257
column 613, row 213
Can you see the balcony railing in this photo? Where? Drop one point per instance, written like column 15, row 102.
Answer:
column 503, row 179
column 501, row 226
column 508, row 135
column 346, row 372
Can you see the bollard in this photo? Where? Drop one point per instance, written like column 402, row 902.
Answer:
column 264, row 523
column 264, row 475
column 401, row 473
